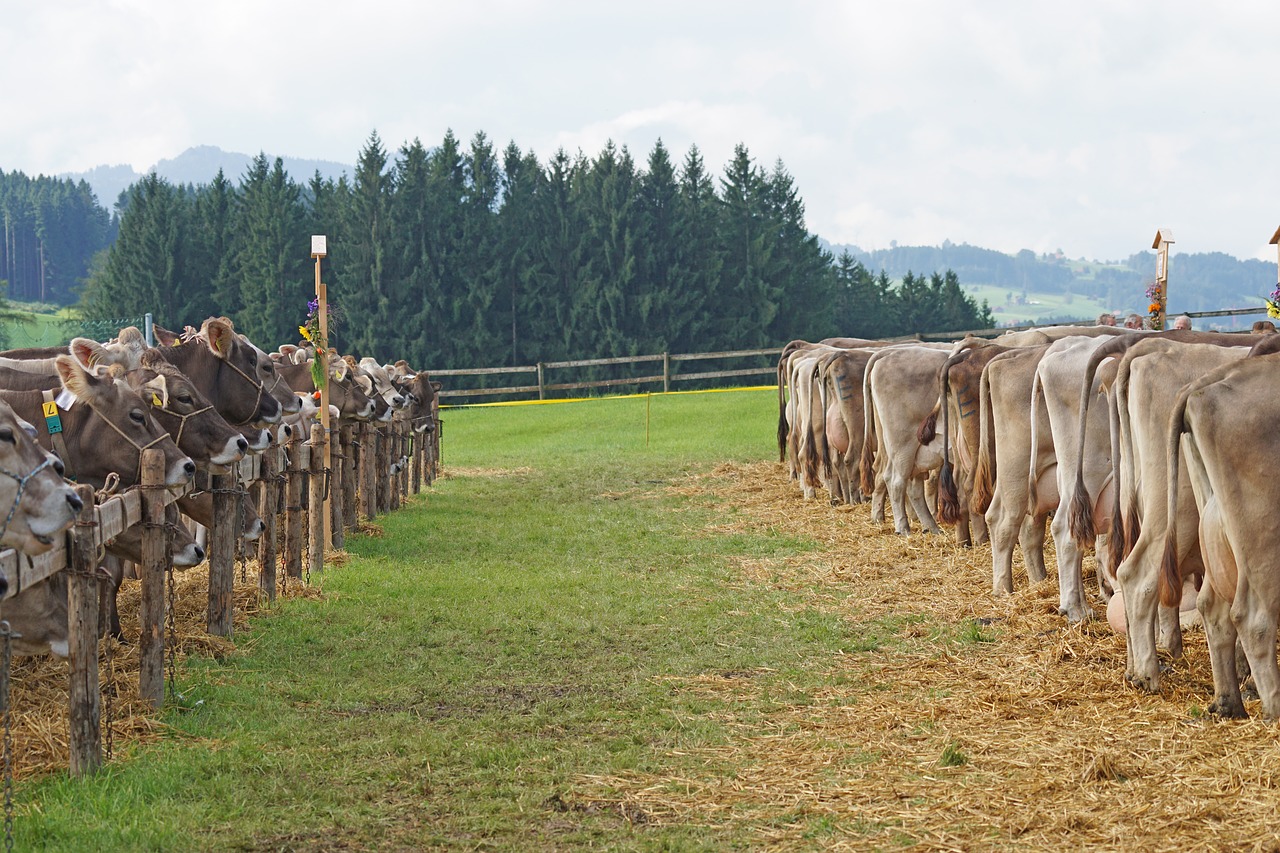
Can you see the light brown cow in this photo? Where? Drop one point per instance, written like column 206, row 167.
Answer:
column 1220, row 423
column 1004, row 457
column 898, row 391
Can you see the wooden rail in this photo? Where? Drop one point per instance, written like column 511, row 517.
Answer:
column 667, row 377
column 277, row 475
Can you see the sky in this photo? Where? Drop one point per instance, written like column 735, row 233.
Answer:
column 1083, row 127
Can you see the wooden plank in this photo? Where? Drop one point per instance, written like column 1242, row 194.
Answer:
column 739, row 353
column 482, row 392
column 725, row 374
column 482, row 371
column 603, row 383
column 593, row 362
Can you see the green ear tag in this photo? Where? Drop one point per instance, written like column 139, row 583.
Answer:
column 51, row 420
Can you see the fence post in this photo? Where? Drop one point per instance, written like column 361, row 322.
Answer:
column 82, row 614
column 541, row 395
column 222, row 554
column 293, row 509
column 382, row 469
column 337, row 476
column 415, row 460
column 155, row 560
column 368, row 474
column 349, row 475
column 315, row 503
column 396, row 454
column 268, row 499
column 666, row 373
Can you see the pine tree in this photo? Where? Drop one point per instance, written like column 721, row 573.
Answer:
column 271, row 258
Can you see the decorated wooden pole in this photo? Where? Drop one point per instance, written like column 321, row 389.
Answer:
column 319, row 247
column 1273, row 304
column 1159, row 292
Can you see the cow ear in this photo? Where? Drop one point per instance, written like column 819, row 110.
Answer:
column 164, row 336
column 88, row 353
column 220, row 335
column 156, row 391
column 338, row 370
column 366, row 384
column 78, row 381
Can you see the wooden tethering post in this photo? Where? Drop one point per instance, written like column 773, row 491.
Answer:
column 155, row 561
column 1275, row 241
column 268, row 500
column 317, row 504
column 82, row 612
column 1164, row 238
column 319, row 248
column 293, row 507
column 222, row 553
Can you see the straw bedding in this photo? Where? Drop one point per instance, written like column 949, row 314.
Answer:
column 39, row 684
column 981, row 723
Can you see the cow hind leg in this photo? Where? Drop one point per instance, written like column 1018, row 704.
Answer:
column 1031, row 538
column 1071, row 599
column 916, row 493
column 1220, row 632
column 1255, row 618
column 897, row 488
column 1004, row 535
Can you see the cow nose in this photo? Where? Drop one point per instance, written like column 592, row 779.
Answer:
column 288, row 431
column 58, row 466
column 199, row 554
column 4, row 585
column 189, row 468
column 73, row 501
column 242, row 444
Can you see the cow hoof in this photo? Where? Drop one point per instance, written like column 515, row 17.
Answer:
column 1075, row 615
column 1145, row 683
column 1228, row 708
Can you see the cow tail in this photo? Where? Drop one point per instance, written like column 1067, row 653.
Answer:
column 1115, row 541
column 866, row 477
column 984, row 467
column 1033, row 498
column 783, row 428
column 948, row 493
column 1170, row 577
column 824, row 449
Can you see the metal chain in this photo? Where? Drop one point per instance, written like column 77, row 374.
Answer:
column 6, row 658
column 170, row 632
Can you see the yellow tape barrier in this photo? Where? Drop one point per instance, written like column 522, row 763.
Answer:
column 611, row 397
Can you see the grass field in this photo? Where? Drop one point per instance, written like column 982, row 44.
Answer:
column 44, row 326
column 616, row 625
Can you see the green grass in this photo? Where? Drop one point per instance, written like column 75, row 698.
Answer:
column 506, row 636
column 44, row 326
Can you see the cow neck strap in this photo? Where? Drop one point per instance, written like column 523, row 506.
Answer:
column 257, row 403
column 59, row 443
column 182, row 420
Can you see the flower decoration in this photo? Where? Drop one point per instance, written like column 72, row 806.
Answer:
column 1273, row 304
column 310, row 332
column 1155, row 309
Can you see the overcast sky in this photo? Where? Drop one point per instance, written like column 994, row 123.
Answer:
column 1082, row 126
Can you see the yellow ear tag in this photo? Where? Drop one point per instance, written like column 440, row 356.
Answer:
column 155, row 400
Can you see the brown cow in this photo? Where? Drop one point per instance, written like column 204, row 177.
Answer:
column 225, row 369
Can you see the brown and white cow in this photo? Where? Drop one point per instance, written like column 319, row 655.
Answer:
column 36, row 503
column 1005, row 456
column 898, row 391
column 1219, row 429
column 225, row 369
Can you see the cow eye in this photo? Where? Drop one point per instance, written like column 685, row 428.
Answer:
column 137, row 416
column 185, row 399
column 29, row 430
column 6, row 434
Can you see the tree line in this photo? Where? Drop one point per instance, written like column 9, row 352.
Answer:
column 464, row 255
column 53, row 228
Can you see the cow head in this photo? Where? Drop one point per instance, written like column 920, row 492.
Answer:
column 39, row 503
column 224, row 368
column 108, row 426
column 179, row 407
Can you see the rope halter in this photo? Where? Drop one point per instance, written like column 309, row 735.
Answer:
column 22, row 485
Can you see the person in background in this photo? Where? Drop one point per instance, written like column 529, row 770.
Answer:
column 1183, row 322
column 1133, row 321
column 1106, row 319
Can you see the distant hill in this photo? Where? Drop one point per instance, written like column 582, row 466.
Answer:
column 197, row 165
column 1197, row 282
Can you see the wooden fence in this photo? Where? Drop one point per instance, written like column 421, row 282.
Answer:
column 667, row 377
column 359, row 485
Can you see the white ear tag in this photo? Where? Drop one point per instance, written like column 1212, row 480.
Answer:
column 65, row 399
